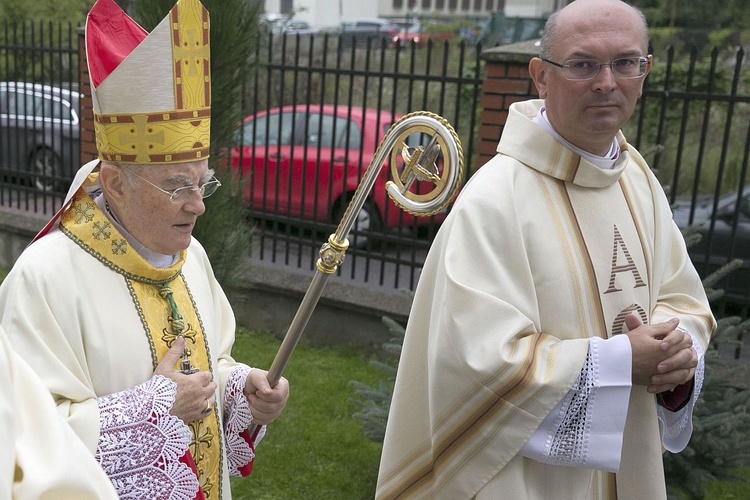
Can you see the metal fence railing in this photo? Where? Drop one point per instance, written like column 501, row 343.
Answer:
column 316, row 109
column 322, row 109
column 39, row 113
column 693, row 127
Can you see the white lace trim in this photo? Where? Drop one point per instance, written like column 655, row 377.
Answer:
column 568, row 441
column 674, row 429
column 237, row 419
column 141, row 443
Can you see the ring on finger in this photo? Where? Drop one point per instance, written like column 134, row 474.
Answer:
column 208, row 407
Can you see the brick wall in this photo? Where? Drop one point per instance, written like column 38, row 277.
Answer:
column 506, row 80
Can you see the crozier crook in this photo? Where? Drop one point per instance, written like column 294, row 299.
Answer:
column 419, row 164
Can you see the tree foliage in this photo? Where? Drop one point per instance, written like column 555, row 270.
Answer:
column 713, row 15
column 65, row 11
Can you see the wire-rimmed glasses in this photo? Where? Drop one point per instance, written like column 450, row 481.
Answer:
column 586, row 69
column 181, row 194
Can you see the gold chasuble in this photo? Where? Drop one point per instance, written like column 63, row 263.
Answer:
column 166, row 310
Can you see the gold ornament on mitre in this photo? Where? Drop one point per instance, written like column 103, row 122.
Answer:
column 151, row 91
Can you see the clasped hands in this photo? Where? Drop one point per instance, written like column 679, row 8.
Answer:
column 663, row 357
column 197, row 392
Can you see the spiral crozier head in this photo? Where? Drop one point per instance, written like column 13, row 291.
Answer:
column 437, row 159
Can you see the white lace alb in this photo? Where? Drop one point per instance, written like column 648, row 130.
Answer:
column 237, row 419
column 140, row 443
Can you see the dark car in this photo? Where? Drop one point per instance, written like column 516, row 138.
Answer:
column 39, row 134
column 359, row 31
column 725, row 235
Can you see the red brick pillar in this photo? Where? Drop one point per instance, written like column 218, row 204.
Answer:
column 87, row 136
column 506, row 80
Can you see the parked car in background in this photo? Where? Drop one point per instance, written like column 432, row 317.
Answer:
column 304, row 162
column 298, row 27
column 727, row 239
column 39, row 131
column 279, row 24
column 359, row 31
column 419, row 34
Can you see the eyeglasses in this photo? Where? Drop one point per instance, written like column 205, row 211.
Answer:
column 181, row 194
column 586, row 69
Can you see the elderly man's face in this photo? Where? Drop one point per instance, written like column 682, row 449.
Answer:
column 588, row 113
column 150, row 216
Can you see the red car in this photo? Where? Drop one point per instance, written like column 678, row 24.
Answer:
column 420, row 35
column 306, row 161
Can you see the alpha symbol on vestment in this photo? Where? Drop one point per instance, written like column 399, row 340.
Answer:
column 620, row 251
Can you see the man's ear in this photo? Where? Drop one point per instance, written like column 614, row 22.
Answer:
column 538, row 72
column 112, row 180
column 648, row 70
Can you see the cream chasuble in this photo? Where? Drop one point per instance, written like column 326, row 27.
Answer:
column 93, row 319
column 42, row 457
column 542, row 251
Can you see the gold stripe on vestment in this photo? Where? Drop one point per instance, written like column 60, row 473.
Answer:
column 89, row 227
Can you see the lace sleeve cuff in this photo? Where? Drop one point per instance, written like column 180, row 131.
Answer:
column 678, row 425
column 237, row 419
column 585, row 428
column 141, row 444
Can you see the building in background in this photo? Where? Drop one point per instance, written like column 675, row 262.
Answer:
column 328, row 13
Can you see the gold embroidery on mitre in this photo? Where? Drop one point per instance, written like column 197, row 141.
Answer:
column 153, row 138
column 191, row 55
column 182, row 132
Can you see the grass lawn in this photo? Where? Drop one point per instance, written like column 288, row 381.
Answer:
column 315, row 449
column 726, row 490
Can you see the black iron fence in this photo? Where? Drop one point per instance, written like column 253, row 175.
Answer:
column 316, row 110
column 322, row 109
column 39, row 113
column 693, row 127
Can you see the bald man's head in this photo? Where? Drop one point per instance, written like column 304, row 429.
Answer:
column 582, row 11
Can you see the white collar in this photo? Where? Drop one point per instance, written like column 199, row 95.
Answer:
column 158, row 260
column 606, row 162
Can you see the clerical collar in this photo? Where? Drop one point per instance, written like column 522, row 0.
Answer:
column 606, row 162
column 158, row 260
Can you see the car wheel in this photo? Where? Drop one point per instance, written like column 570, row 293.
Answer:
column 366, row 226
column 46, row 169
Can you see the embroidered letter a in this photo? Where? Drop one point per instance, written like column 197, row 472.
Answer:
column 629, row 266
